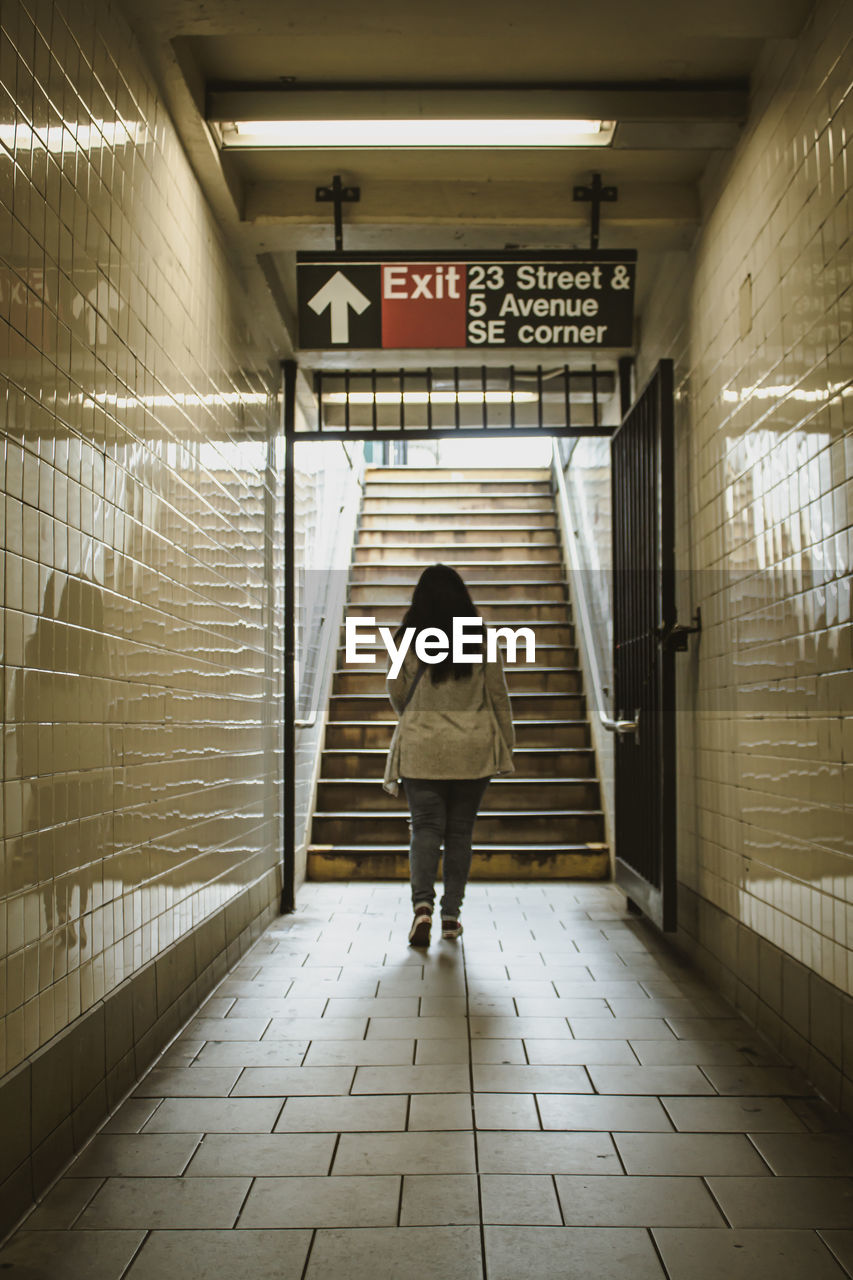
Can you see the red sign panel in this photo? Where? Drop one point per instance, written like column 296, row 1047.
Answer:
column 424, row 305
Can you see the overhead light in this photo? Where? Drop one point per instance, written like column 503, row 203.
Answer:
column 416, row 133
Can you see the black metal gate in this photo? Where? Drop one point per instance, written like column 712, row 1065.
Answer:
column 645, row 635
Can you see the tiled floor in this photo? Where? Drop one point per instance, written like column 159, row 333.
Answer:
column 558, row 1097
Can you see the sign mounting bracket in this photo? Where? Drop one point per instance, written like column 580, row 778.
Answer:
column 338, row 195
column 595, row 194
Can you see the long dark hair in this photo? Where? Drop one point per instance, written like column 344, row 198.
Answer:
column 439, row 596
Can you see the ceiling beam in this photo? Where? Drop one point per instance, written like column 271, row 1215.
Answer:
column 671, row 103
column 519, row 204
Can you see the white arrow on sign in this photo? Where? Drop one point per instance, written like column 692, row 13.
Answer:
column 339, row 294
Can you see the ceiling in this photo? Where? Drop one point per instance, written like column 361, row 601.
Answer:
column 265, row 200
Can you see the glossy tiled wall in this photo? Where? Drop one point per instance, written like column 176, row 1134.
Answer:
column 139, row 517
column 759, row 321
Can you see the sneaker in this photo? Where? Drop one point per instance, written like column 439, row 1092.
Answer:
column 451, row 927
column 421, row 925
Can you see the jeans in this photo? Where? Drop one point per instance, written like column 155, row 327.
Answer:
column 443, row 810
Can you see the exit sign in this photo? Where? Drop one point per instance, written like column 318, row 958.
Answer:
column 567, row 298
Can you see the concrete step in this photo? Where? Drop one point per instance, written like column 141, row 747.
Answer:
column 454, row 553
column 375, row 826
column 559, row 861
column 525, row 706
column 539, row 762
column 554, row 733
column 519, row 679
column 478, row 575
column 504, row 506
column 499, row 613
column 414, row 490
column 510, row 794
column 484, row 521
column 427, row 475
column 496, row 589
column 448, row 517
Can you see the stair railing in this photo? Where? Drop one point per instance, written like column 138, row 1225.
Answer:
column 570, row 536
column 329, row 554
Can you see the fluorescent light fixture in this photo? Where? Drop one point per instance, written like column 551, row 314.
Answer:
column 430, row 397
column 408, row 134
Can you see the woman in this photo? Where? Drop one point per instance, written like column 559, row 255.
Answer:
column 454, row 731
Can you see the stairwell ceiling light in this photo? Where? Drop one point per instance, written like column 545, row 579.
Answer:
column 416, row 133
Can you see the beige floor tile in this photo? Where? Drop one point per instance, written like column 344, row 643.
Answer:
column 150, row 1203
column 516, row 1152
column 500, row 1052
column 298, row 1082
column 439, row 1200
column 492, row 1007
column 525, row 1199
column 343, row 1114
column 637, row 1202
column 441, row 1253
column 586, row 1052
column 322, row 1202
column 699, row 1254
column 158, row 1155
column 528, row 1028
column 181, row 1054
column 355, row 1007
column 64, row 1202
column 227, row 1028
column 214, row 1115
column 709, row 1028
column 200, row 1255
column 785, row 1202
column 840, row 1243
column 571, row 1253
column 620, row 1029
column 438, row 1152
column 742, row 1081
column 253, row 1155
column 531, row 1079
column 588, row 1006
column 441, row 1111
column 733, row 1115
column 506, row 1111
column 131, row 1115
column 442, row 1079
column 188, row 1082
column 698, row 1154
column 670, row 1053
column 443, row 1007
column 253, row 1053
column 649, row 1080
column 418, row 1029
column 316, row 1029
column 608, row 1113
column 69, row 1255
column 357, row 1053
column 813, row 1155
column 431, row 1053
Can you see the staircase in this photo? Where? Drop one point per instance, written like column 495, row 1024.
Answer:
column 499, row 529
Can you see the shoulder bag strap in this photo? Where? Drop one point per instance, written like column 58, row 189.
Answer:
column 415, row 683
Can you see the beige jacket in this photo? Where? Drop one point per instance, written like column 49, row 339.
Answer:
column 455, row 729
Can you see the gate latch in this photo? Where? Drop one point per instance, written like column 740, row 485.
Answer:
column 673, row 639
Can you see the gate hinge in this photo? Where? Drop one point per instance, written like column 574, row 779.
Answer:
column 673, row 639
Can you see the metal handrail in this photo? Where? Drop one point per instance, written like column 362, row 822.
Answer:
column 328, row 631
column 608, row 722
